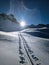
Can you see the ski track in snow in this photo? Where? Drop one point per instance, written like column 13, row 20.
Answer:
column 23, row 49
column 29, row 53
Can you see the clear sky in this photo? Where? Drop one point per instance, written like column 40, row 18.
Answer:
column 30, row 11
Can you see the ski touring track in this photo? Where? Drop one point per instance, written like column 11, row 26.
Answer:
column 30, row 53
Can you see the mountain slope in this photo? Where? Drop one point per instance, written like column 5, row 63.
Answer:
column 8, row 23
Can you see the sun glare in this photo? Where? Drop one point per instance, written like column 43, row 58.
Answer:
column 22, row 23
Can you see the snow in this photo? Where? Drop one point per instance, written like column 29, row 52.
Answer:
column 10, row 50
column 6, row 25
column 39, row 46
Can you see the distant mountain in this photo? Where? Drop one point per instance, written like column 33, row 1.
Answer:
column 42, row 25
column 8, row 23
column 38, row 26
column 32, row 26
column 47, row 25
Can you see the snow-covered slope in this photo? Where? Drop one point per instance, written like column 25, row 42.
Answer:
column 8, row 23
column 38, row 44
column 21, row 48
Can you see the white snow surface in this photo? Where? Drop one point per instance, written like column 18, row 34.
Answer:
column 9, row 48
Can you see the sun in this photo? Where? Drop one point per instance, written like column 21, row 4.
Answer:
column 22, row 23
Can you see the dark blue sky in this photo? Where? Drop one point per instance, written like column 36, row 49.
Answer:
column 31, row 11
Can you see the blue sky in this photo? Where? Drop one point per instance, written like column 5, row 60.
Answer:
column 31, row 11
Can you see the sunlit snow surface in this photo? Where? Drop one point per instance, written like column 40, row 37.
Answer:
column 9, row 48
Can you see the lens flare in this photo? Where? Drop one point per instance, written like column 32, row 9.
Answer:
column 22, row 23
